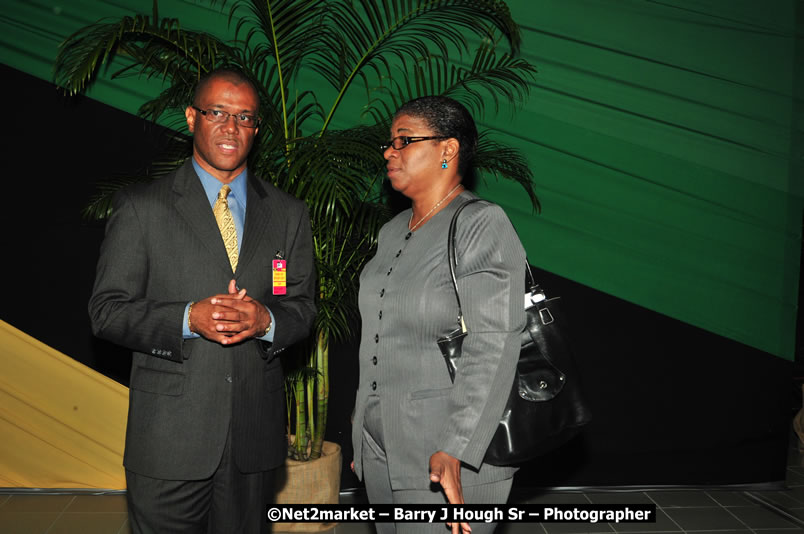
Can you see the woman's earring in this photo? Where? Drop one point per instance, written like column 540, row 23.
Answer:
column 444, row 164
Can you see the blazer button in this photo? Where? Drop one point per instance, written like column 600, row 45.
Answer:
column 408, row 236
column 382, row 293
column 398, row 253
column 380, row 315
column 374, row 360
column 229, row 378
column 373, row 386
column 389, row 271
column 376, row 338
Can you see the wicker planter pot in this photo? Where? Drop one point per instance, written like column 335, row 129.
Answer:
column 315, row 482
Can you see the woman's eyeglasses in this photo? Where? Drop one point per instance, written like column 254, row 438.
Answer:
column 402, row 141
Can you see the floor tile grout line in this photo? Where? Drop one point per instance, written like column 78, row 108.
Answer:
column 659, row 507
column 749, row 527
column 613, row 528
column 544, row 530
column 773, row 507
column 731, row 513
column 53, row 524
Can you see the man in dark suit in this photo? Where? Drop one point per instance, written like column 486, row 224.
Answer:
column 206, row 301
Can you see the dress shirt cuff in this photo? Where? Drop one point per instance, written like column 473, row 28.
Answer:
column 185, row 329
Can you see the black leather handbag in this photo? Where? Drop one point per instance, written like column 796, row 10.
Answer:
column 545, row 408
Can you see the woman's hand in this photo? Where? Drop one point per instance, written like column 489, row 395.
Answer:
column 446, row 470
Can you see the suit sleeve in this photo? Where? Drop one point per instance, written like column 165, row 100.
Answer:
column 295, row 311
column 118, row 309
column 491, row 281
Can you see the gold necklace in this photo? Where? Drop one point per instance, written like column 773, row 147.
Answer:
column 412, row 228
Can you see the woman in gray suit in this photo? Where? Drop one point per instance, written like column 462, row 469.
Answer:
column 418, row 437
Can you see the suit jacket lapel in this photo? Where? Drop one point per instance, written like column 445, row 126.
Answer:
column 192, row 204
column 258, row 219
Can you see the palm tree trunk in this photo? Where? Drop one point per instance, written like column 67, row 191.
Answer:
column 300, row 444
column 322, row 392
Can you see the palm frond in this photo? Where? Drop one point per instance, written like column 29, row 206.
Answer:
column 502, row 161
column 279, row 33
column 177, row 149
column 284, row 29
column 157, row 48
column 339, row 175
column 99, row 206
column 175, row 97
column 362, row 35
column 340, row 256
column 499, row 79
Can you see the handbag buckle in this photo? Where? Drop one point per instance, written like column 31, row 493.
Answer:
column 546, row 316
column 533, row 297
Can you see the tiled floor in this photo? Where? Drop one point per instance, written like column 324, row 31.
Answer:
column 678, row 511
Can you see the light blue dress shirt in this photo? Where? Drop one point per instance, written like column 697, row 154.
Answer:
column 237, row 205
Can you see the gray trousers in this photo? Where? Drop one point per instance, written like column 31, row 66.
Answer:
column 379, row 491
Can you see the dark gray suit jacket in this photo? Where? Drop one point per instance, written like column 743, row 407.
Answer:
column 162, row 250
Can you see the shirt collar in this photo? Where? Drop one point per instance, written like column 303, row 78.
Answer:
column 212, row 185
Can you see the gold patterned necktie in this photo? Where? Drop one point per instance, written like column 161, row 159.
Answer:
column 226, row 224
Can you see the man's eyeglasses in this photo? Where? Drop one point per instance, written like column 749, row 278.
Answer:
column 402, row 141
column 218, row 115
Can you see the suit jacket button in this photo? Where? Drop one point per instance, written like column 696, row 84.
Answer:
column 376, row 338
column 374, row 360
column 373, row 386
column 229, row 378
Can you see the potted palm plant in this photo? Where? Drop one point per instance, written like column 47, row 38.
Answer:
column 378, row 53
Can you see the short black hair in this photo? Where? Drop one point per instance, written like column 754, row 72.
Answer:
column 230, row 74
column 448, row 118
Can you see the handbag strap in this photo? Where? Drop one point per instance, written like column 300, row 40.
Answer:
column 453, row 261
column 531, row 283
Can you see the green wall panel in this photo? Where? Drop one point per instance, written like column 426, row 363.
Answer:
column 666, row 144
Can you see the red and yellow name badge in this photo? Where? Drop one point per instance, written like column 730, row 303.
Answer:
column 280, row 277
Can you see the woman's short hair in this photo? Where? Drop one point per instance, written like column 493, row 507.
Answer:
column 448, row 118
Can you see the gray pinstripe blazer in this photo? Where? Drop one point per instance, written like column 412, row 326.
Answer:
column 406, row 303
column 163, row 249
